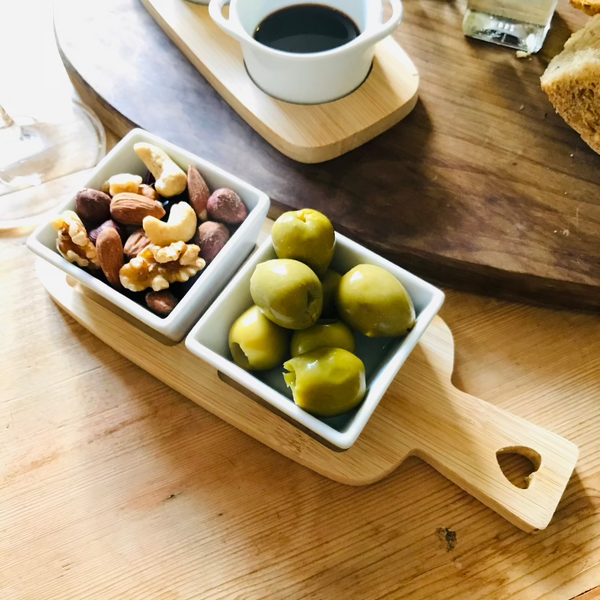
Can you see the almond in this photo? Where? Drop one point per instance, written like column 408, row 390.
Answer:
column 132, row 209
column 110, row 255
column 198, row 192
column 135, row 243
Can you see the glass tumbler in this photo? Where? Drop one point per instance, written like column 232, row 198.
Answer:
column 518, row 24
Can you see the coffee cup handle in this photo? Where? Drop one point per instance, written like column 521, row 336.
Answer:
column 388, row 27
column 215, row 9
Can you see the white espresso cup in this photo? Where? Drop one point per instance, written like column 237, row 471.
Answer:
column 311, row 78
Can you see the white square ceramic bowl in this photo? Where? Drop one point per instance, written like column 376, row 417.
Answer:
column 123, row 159
column 382, row 358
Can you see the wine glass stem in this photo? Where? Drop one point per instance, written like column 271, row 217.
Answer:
column 5, row 119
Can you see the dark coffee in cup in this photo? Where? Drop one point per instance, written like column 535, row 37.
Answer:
column 306, row 28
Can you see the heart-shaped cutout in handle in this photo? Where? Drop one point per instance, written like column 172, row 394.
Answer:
column 519, row 464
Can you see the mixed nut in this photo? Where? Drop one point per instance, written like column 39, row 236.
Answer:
column 150, row 233
column 293, row 293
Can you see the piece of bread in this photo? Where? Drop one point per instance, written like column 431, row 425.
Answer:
column 591, row 7
column 572, row 82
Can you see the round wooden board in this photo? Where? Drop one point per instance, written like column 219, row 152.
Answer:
column 482, row 187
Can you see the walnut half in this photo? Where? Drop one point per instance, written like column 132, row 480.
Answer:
column 158, row 266
column 73, row 242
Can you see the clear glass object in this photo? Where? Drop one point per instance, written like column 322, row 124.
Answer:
column 518, row 24
column 38, row 154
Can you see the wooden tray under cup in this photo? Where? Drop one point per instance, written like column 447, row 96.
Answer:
column 306, row 133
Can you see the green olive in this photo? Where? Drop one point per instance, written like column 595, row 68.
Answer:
column 372, row 301
column 287, row 292
column 256, row 343
column 330, row 282
column 326, row 382
column 327, row 335
column 305, row 235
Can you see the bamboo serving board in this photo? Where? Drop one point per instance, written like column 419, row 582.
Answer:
column 308, row 134
column 422, row 415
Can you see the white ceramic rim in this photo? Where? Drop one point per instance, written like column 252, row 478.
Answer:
column 233, row 27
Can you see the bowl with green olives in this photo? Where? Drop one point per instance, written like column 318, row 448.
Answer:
column 316, row 327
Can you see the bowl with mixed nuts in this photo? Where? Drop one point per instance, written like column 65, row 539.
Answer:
column 156, row 230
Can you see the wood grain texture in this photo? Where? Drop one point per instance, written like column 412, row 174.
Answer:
column 422, row 414
column 308, row 134
column 112, row 485
column 482, row 187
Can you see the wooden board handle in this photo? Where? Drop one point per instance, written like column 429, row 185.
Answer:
column 466, row 451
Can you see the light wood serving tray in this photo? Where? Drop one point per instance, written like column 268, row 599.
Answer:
column 422, row 415
column 308, row 134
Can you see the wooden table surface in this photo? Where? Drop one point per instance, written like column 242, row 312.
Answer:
column 482, row 187
column 113, row 486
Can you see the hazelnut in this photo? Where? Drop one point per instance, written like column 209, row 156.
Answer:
column 162, row 303
column 211, row 239
column 94, row 233
column 92, row 206
column 226, row 206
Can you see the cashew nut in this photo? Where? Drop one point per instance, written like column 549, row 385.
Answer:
column 180, row 227
column 170, row 179
column 124, row 182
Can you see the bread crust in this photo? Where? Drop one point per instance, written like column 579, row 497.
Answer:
column 590, row 7
column 572, row 83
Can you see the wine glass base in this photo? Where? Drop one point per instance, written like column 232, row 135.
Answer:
column 33, row 154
